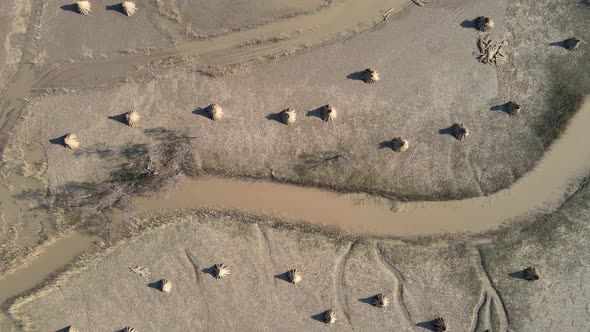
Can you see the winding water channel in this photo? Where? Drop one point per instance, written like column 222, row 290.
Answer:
column 543, row 189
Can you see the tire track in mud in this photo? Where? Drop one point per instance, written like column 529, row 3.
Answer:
column 195, row 266
column 399, row 287
column 339, row 280
column 200, row 287
column 491, row 297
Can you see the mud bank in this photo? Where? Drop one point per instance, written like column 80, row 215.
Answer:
column 542, row 190
column 477, row 287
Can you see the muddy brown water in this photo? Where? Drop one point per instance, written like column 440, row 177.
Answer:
column 54, row 256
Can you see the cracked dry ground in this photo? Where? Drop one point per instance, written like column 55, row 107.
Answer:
column 474, row 286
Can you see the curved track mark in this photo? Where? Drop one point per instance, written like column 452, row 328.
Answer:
column 399, row 287
column 339, row 281
column 491, row 292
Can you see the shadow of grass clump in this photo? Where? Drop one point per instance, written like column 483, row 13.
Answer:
column 72, row 7
column 116, row 8
column 61, row 140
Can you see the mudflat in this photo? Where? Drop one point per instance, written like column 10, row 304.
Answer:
column 443, row 228
column 474, row 287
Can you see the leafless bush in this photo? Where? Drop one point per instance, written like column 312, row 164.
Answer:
column 145, row 170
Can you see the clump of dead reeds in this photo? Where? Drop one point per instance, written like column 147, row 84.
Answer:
column 328, row 113
column 460, row 131
column 288, row 116
column 484, row 24
column 129, row 7
column 370, row 76
column 84, row 7
column 71, row 141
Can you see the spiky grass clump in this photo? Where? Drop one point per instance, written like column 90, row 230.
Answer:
column 512, row 108
column 530, row 274
column 460, row 131
column 440, row 325
column 132, row 118
column 129, row 7
column 221, row 271
column 129, row 329
column 328, row 113
column 71, row 141
column 572, row 44
column 399, row 144
column 380, row 301
column 165, row 286
column 295, row 276
column 370, row 76
column 484, row 24
column 84, row 7
column 330, row 316
column 288, row 116
column 215, row 112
